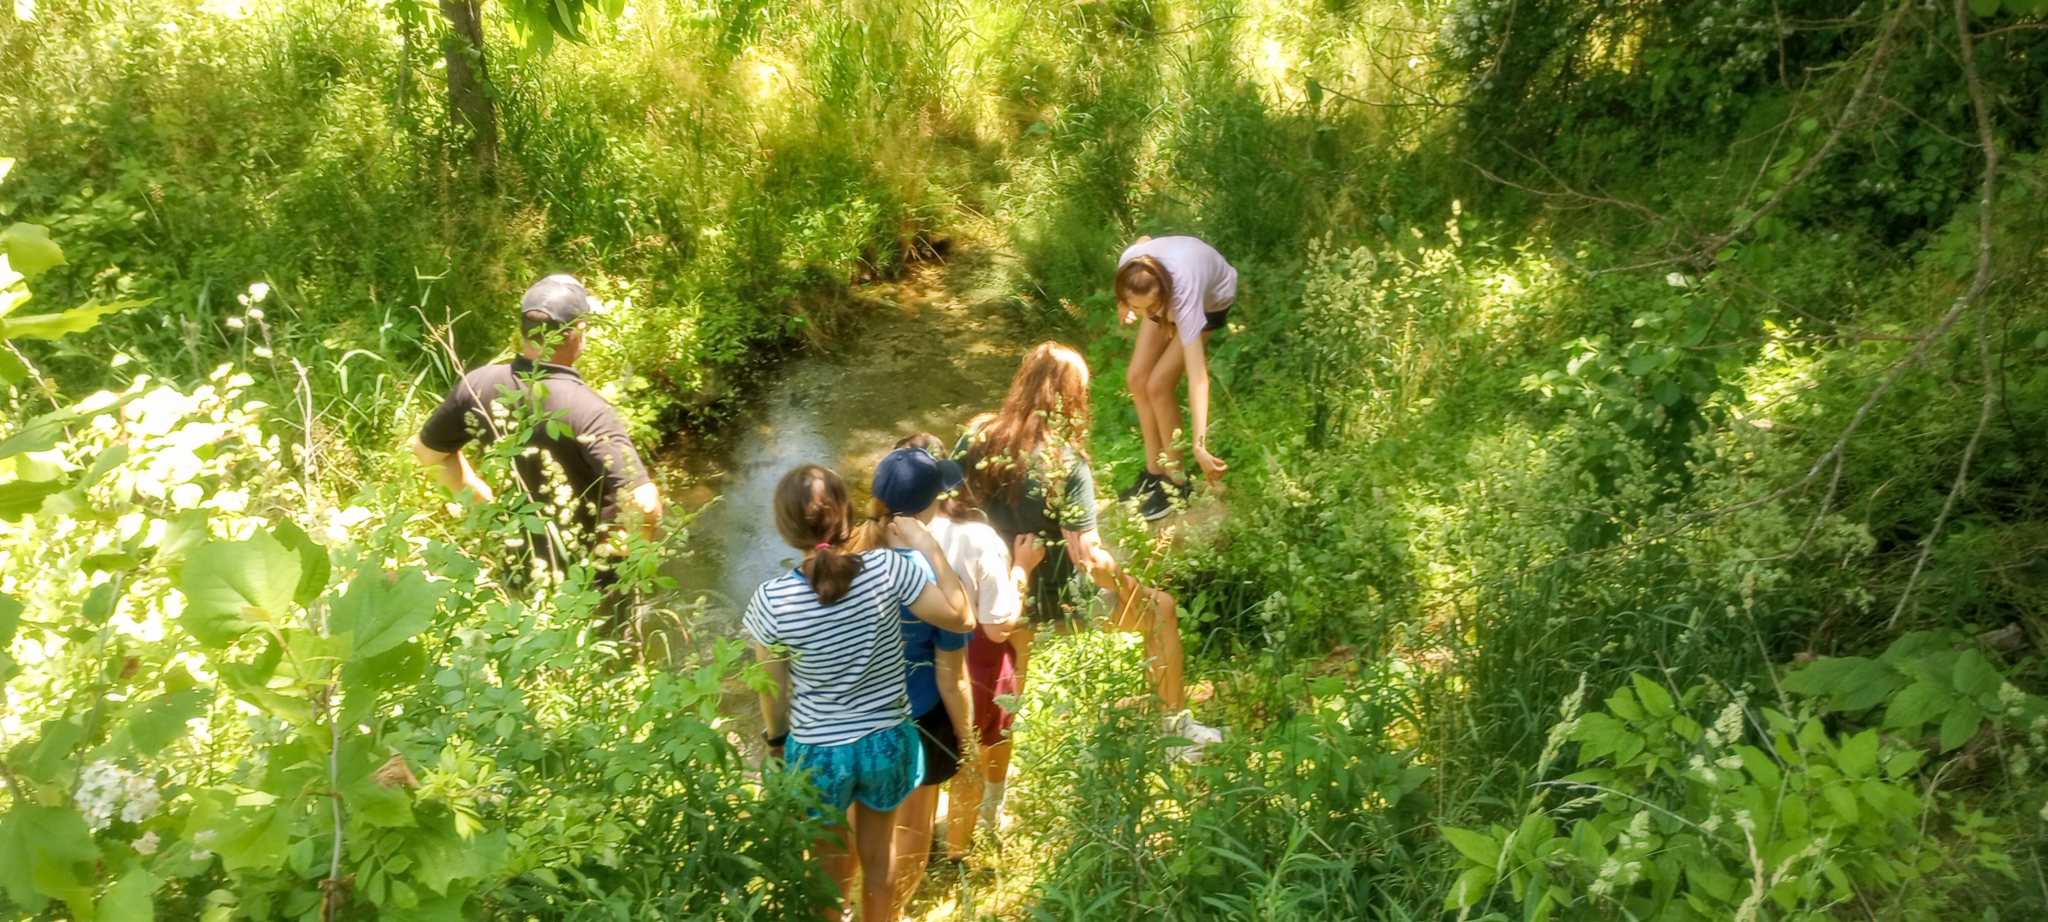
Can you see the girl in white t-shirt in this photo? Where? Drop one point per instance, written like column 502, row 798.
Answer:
column 1180, row 290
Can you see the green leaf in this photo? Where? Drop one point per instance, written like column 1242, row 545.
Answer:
column 363, row 679
column 1984, row 7
column 1960, row 724
column 1858, row 756
column 445, row 858
column 29, row 249
column 1974, row 677
column 313, row 560
column 161, row 720
column 10, row 618
column 12, row 368
column 1760, row 766
column 21, row 497
column 1470, row 888
column 52, row 326
column 254, row 837
column 49, row 852
column 1655, row 698
column 131, row 899
column 43, row 759
column 1479, row 848
column 381, row 611
column 1920, row 703
column 227, row 582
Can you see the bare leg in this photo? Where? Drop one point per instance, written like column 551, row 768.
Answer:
column 1162, row 391
column 1154, row 613
column 839, row 864
column 874, row 833
column 963, row 806
column 913, row 841
column 1155, row 342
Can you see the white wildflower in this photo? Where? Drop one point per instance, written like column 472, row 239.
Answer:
column 261, row 352
column 147, row 845
column 235, row 323
column 255, row 313
column 202, row 842
column 259, row 291
column 143, row 798
column 99, row 787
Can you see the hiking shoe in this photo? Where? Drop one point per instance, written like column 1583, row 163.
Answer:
column 1138, row 486
column 1198, row 735
column 1158, row 501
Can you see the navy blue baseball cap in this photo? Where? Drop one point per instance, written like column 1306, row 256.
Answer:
column 909, row 480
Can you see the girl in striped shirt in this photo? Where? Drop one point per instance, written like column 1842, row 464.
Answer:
column 827, row 633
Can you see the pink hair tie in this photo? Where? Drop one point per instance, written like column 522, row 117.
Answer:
column 822, row 545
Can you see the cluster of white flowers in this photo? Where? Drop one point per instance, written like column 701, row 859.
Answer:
column 103, row 786
column 1727, row 728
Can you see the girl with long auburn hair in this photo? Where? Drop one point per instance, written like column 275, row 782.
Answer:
column 1179, row 290
column 827, row 633
column 1028, row 468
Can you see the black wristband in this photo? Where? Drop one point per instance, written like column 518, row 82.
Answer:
column 774, row 741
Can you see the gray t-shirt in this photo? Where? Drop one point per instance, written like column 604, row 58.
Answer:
column 1203, row 281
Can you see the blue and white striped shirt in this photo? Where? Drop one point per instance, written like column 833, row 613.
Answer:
column 846, row 659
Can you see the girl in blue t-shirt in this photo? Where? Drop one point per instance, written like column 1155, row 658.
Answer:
column 907, row 485
column 827, row 632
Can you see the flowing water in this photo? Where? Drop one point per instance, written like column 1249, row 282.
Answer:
column 933, row 354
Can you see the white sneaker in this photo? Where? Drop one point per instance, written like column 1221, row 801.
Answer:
column 1199, row 735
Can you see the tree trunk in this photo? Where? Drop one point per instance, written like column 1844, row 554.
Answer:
column 469, row 98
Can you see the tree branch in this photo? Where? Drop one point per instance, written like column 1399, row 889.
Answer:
column 1988, row 139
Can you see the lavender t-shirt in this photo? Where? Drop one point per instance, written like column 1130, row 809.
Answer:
column 1203, row 281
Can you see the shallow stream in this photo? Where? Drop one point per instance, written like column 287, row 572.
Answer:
column 933, row 353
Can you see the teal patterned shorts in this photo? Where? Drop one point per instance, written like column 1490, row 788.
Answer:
column 880, row 768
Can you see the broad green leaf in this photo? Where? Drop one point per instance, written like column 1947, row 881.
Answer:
column 1470, row 888
column 1984, row 7
column 132, row 898
column 12, row 369
column 10, row 618
column 161, row 720
column 381, row 611
column 1655, row 698
column 254, row 837
column 1858, row 757
column 21, row 497
column 443, row 858
column 1623, row 704
column 52, row 326
column 39, row 434
column 1975, row 677
column 1760, row 766
column 44, row 758
column 29, row 249
column 1477, row 847
column 1919, row 704
column 226, row 583
column 313, row 560
column 1960, row 724
column 363, row 679
column 46, row 849
column 1843, row 800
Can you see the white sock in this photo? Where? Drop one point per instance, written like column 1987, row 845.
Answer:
column 991, row 803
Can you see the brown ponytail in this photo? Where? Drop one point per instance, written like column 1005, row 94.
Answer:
column 813, row 513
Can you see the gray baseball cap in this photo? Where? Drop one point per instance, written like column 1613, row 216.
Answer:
column 560, row 296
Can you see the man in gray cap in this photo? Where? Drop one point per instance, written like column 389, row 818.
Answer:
column 581, row 441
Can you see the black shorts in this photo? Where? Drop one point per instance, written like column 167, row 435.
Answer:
column 941, row 745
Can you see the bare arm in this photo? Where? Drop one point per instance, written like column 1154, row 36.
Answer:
column 1086, row 550
column 1198, row 407
column 451, row 469
column 775, row 702
column 1008, row 610
column 953, row 690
